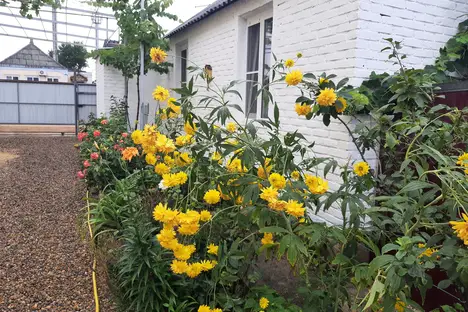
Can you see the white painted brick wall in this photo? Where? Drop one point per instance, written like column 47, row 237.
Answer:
column 343, row 37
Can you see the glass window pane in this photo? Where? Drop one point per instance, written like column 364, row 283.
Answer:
column 266, row 64
column 251, row 96
column 253, row 43
column 183, row 66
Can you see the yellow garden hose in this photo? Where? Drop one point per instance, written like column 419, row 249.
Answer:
column 95, row 290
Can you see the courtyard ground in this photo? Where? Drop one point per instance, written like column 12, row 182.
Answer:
column 45, row 263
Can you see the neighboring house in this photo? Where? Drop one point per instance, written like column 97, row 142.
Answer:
column 81, row 77
column 343, row 37
column 31, row 64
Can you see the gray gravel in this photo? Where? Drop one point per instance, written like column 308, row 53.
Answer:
column 45, row 260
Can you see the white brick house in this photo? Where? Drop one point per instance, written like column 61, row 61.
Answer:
column 343, row 37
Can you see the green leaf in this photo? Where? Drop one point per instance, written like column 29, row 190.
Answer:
column 416, row 185
column 273, row 229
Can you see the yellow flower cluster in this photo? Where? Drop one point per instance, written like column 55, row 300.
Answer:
column 463, row 161
column 190, row 128
column 205, row 308
column 182, row 159
column 160, row 94
column 461, row 228
column 235, row 165
column 292, row 207
column 185, row 223
column 174, row 179
column 267, row 239
column 183, row 140
column 361, row 168
column 428, row 252
column 303, row 109
column 316, row 184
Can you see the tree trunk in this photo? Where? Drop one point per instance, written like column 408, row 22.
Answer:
column 138, row 104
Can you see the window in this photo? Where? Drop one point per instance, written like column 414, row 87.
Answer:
column 52, row 80
column 15, row 78
column 49, row 80
column 258, row 61
column 9, row 78
column 183, row 67
column 36, row 79
column 32, row 78
column 55, row 80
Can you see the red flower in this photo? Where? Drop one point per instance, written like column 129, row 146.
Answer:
column 82, row 135
column 86, row 163
column 104, row 122
column 96, row 133
column 80, row 175
column 94, row 156
column 125, row 134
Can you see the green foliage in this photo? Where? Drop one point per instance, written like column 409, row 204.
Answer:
column 26, row 6
column 72, row 56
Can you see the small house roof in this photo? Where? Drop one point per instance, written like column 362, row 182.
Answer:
column 31, row 57
column 210, row 9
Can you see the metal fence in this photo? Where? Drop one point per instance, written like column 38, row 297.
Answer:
column 45, row 103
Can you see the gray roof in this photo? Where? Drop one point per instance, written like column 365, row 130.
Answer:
column 31, row 57
column 210, row 9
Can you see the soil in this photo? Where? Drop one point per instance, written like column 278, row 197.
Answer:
column 45, row 259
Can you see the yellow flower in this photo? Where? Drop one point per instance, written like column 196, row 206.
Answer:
column 184, row 252
column 205, row 215
column 463, row 160
column 343, row 103
column 267, row 239
column 295, row 208
column 183, row 140
column 188, row 229
column 299, row 54
column 164, row 144
column 302, row 220
column 231, row 127
column 157, row 55
column 216, row 156
column 204, row 308
column 323, row 80
column 137, row 136
column 216, row 310
column 327, row 97
column 207, row 265
column 213, row 249
column 150, row 159
column 212, row 197
column 170, row 217
column 167, row 238
column 168, row 160
column 264, row 302
column 315, row 184
column 295, row 175
column 294, row 77
column 190, row 129
column 159, row 211
column 427, row 251
column 189, row 217
column 277, row 180
column 129, row 153
column 174, row 179
column 302, row 110
column 182, row 159
column 400, row 305
column 461, row 228
column 194, row 270
column 160, row 94
column 278, row 205
column 179, row 267
column 161, row 168
column 235, row 165
column 261, row 169
column 269, row 193
column 361, row 168
column 289, row 63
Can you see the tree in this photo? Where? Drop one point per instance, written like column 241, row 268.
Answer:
column 72, row 56
column 137, row 27
column 30, row 5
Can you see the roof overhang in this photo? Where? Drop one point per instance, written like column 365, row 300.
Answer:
column 209, row 10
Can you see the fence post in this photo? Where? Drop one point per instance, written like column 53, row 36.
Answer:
column 76, row 104
column 18, row 101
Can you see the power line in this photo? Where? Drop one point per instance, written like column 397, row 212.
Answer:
column 18, row 22
column 66, row 13
column 43, row 27
column 42, row 39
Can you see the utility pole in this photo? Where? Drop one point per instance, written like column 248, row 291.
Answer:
column 54, row 29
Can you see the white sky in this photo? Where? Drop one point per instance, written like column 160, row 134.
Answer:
column 184, row 9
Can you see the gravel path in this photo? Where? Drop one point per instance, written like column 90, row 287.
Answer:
column 45, row 263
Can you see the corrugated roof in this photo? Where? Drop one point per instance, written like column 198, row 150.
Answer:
column 210, row 9
column 31, row 57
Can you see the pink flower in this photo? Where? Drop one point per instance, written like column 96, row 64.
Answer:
column 104, row 122
column 121, row 141
column 96, row 133
column 80, row 175
column 82, row 135
column 125, row 134
column 86, row 163
column 94, row 156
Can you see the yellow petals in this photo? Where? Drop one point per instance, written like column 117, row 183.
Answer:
column 361, row 168
column 461, row 228
column 190, row 129
column 294, row 208
column 157, row 55
column 327, row 97
column 160, row 94
column 150, row 159
column 129, row 153
column 303, row 109
column 267, row 239
column 344, row 104
column 205, row 215
column 264, row 302
column 294, row 77
column 179, row 267
column 212, row 197
column 213, row 249
column 174, row 179
column 269, row 193
column 277, row 180
column 161, row 168
column 316, row 184
column 231, row 127
column 289, row 63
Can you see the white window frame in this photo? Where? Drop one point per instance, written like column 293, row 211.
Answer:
column 257, row 18
column 9, row 77
column 32, row 78
column 181, row 46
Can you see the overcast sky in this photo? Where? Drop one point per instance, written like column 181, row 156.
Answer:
column 184, row 9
